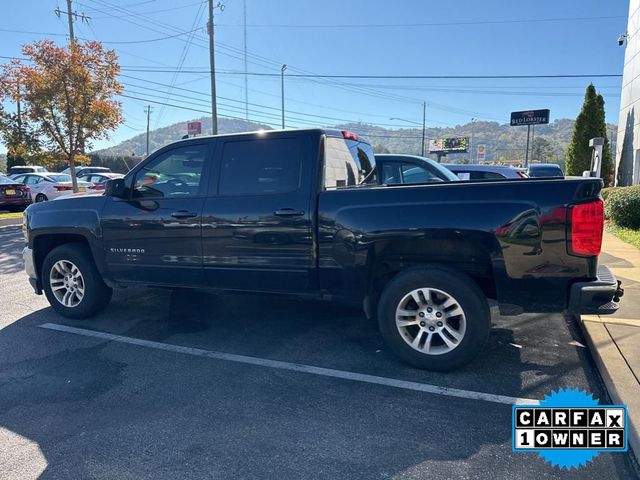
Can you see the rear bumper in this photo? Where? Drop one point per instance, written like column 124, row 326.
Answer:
column 596, row 297
column 15, row 202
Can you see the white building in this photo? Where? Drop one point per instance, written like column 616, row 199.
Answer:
column 628, row 143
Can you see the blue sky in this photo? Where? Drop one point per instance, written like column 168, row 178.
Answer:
column 372, row 37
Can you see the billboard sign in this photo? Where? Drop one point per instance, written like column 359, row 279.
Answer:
column 530, row 117
column 194, row 128
column 449, row 145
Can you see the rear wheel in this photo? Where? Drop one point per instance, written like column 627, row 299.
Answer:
column 434, row 318
column 41, row 197
column 72, row 282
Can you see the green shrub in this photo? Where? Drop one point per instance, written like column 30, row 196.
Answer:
column 622, row 207
column 606, row 192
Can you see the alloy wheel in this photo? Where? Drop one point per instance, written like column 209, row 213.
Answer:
column 431, row 321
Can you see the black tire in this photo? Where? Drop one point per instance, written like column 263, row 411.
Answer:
column 459, row 286
column 96, row 293
column 41, row 197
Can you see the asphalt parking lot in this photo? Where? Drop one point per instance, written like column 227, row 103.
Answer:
column 191, row 385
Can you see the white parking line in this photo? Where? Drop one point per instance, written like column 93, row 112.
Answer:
column 297, row 367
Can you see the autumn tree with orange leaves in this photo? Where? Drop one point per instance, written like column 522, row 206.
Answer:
column 67, row 97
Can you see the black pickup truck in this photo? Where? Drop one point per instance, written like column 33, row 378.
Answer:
column 301, row 212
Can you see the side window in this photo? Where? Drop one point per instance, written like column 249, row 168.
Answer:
column 391, row 173
column 348, row 162
column 175, row 173
column 261, row 167
column 417, row 174
column 340, row 169
column 32, row 180
column 492, row 176
column 20, row 179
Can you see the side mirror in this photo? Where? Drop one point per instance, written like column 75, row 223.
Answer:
column 115, row 188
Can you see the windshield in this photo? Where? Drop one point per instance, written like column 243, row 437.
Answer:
column 60, row 177
column 545, row 172
column 443, row 171
column 6, row 180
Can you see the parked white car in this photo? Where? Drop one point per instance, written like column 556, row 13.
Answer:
column 47, row 186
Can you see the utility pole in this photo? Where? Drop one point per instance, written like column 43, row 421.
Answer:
column 282, row 69
column 72, row 148
column 246, row 76
column 70, row 19
column 473, row 123
column 148, row 112
column 424, row 123
column 212, row 66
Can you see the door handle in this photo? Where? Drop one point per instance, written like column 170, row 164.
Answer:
column 184, row 214
column 288, row 212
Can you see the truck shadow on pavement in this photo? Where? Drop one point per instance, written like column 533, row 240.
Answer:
column 10, row 242
column 99, row 408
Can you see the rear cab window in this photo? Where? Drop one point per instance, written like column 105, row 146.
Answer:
column 349, row 161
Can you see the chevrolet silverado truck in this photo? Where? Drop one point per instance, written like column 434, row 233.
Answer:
column 301, row 212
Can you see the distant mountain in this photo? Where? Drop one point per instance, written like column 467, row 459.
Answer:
column 136, row 146
column 501, row 141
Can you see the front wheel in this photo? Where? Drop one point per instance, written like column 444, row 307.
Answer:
column 434, row 317
column 41, row 197
column 72, row 282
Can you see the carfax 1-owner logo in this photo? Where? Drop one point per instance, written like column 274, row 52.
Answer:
column 569, row 428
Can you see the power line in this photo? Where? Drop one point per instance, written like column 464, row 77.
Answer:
column 198, row 70
column 431, row 24
column 150, row 40
column 199, row 102
column 152, row 12
column 264, row 122
column 183, row 57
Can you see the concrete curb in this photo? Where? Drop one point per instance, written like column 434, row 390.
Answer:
column 621, row 383
column 5, row 222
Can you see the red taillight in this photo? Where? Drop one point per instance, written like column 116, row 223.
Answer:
column 26, row 189
column 587, row 222
column 347, row 135
column 63, row 188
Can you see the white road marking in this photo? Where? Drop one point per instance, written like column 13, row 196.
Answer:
column 297, row 367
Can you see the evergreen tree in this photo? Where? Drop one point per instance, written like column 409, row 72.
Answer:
column 607, row 163
column 586, row 126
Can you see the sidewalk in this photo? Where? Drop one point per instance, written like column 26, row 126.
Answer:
column 614, row 339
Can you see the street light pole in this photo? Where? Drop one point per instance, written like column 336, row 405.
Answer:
column 423, row 124
column 148, row 112
column 282, row 69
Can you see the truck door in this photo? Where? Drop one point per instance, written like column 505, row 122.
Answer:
column 154, row 235
column 256, row 227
